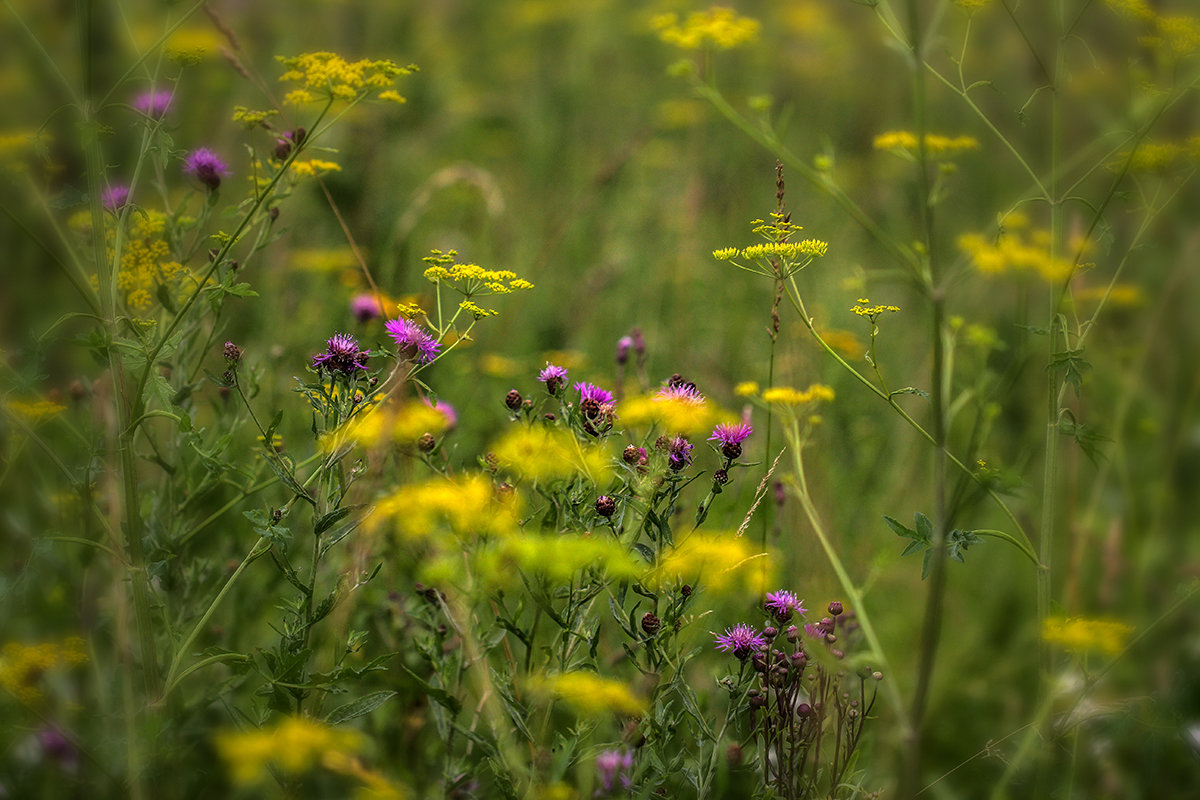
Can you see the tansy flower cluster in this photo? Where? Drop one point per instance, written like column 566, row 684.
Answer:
column 471, row 280
column 719, row 26
column 328, row 76
column 146, row 263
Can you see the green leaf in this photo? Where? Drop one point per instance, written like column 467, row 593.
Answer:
column 327, row 521
column 924, row 527
column 900, row 529
column 439, row 696
column 1069, row 366
column 360, row 707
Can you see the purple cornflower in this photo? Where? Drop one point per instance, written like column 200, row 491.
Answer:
column 554, row 377
column 414, row 342
column 681, row 393
column 730, row 438
column 207, row 167
column 679, row 453
column 366, row 307
column 741, row 640
column 781, row 604
column 614, row 765
column 115, row 197
column 592, row 398
column 341, row 355
column 624, row 345
column 154, row 104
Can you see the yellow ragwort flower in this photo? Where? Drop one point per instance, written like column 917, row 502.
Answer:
column 294, row 746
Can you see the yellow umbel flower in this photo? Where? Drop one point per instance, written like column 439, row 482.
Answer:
column 294, row 746
column 1081, row 634
column 787, row 396
column 314, row 167
column 936, row 145
column 328, row 76
column 719, row 26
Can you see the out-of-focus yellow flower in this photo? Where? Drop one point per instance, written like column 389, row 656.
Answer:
column 33, row 411
column 467, row 507
column 844, row 342
column 589, row 695
column 557, row 557
column 332, row 259
column 542, row 455
column 672, row 414
column 719, row 26
column 787, row 396
column 372, row 785
column 1018, row 250
column 937, row 145
column 1083, row 634
column 1121, row 295
column 294, row 746
column 314, row 167
column 746, row 389
column 720, row 562
column 22, row 665
column 497, row 366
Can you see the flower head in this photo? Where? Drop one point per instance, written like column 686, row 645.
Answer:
column 679, row 453
column 366, row 307
column 154, row 104
column 592, row 399
column 613, row 766
column 207, row 167
column 115, row 197
column 782, row 604
column 685, row 393
column 554, row 377
column 414, row 342
column 741, row 640
column 730, row 437
column 341, row 355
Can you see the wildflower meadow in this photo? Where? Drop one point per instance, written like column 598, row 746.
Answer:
column 600, row 399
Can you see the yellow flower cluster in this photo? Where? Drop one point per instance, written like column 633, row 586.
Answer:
column 557, row 557
column 33, row 411
column 721, row 562
column 844, row 342
column 21, row 665
column 674, row 415
column 935, row 144
column 372, row 785
column 542, row 455
column 865, row 309
column 1122, row 295
column 787, row 251
column 787, row 396
column 401, row 425
column 475, row 310
column 1016, row 251
column 720, row 26
column 314, row 167
column 471, row 280
column 251, row 118
column 146, row 262
column 324, row 260
column 469, row 507
column 1083, row 634
column 328, row 76
column 1159, row 156
column 746, row 389
column 589, row 695
column 294, row 746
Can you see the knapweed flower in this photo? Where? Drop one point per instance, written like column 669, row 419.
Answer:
column 730, row 437
column 592, row 398
column 207, row 167
column 682, row 392
column 614, row 766
column 741, row 640
column 366, row 307
column 679, row 453
column 414, row 342
column 154, row 104
column 115, row 197
column 783, row 604
column 624, row 345
column 554, row 377
column 341, row 355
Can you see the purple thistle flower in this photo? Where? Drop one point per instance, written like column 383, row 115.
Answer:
column 154, row 104
column 592, row 399
column 341, row 355
column 782, row 604
column 207, row 167
column 679, row 453
column 681, row 393
column 614, row 765
column 741, row 640
column 624, row 345
column 115, row 197
column 554, row 377
column 414, row 342
column 730, row 438
column 446, row 410
column 366, row 307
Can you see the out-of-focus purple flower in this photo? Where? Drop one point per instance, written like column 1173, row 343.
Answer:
column 115, row 197
column 446, row 410
column 681, row 393
column 741, row 640
column 58, row 748
column 366, row 307
column 413, row 341
column 154, row 104
column 341, row 355
column 207, row 167
column 679, row 453
column 730, row 437
column 624, row 345
column 554, row 377
column 783, row 604
column 592, row 399
column 614, row 767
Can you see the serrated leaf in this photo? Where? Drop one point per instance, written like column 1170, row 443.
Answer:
column 1069, row 366
column 360, row 707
